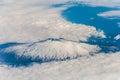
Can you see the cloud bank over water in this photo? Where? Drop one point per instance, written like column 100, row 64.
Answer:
column 115, row 13
column 98, row 67
column 47, row 35
column 107, row 3
column 46, row 21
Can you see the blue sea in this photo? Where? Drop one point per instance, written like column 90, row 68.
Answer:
column 88, row 15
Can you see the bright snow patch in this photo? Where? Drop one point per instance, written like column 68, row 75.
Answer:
column 50, row 49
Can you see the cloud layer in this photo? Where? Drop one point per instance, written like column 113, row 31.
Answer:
column 24, row 21
column 98, row 67
column 34, row 21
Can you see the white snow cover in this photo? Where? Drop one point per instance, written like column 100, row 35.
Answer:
column 54, row 49
column 33, row 20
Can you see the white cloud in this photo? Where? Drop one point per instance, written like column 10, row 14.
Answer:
column 117, row 37
column 31, row 21
column 22, row 23
column 115, row 13
column 107, row 3
column 98, row 67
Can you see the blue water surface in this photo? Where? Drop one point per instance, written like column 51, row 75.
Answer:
column 88, row 15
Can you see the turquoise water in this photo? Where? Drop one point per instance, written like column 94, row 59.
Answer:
column 88, row 15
